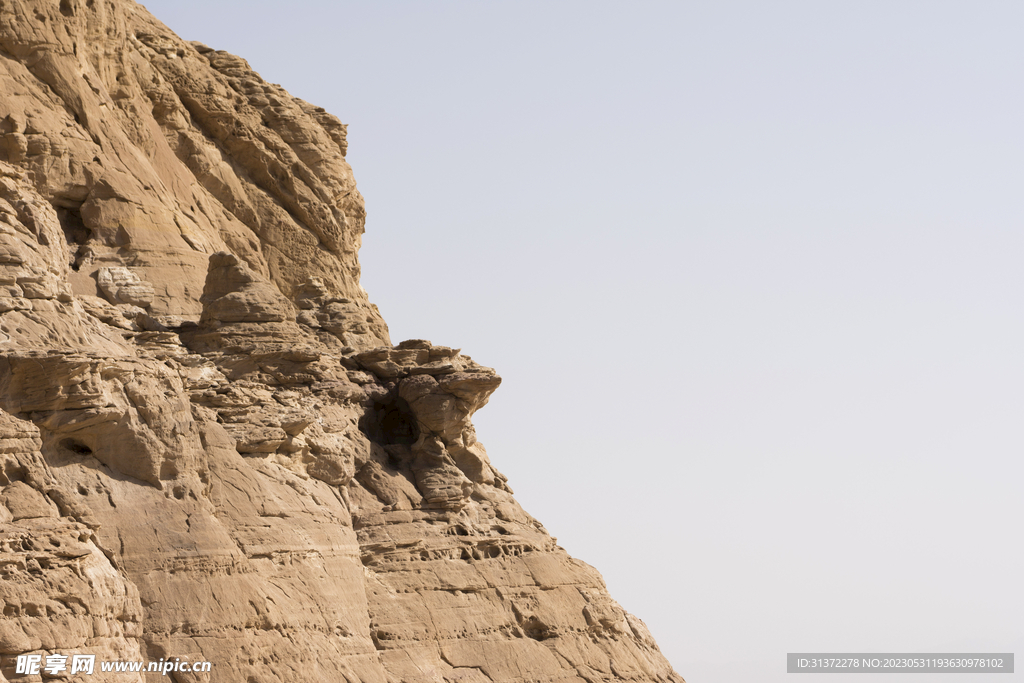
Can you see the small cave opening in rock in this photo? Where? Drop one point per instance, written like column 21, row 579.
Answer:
column 76, row 446
column 390, row 422
column 75, row 233
column 535, row 629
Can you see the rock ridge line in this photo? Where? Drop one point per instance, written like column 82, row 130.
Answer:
column 210, row 448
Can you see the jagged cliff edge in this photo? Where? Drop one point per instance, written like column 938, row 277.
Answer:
column 209, row 448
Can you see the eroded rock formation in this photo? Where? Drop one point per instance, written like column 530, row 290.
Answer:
column 209, row 447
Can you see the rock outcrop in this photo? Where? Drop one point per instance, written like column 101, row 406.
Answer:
column 210, row 450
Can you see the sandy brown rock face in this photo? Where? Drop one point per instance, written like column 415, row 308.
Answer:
column 157, row 153
column 60, row 591
column 462, row 583
column 209, row 448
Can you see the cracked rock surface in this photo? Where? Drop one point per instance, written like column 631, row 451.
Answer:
column 210, row 449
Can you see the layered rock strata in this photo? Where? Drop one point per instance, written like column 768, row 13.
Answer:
column 209, row 448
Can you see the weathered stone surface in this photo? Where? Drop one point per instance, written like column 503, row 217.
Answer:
column 209, row 447
column 60, row 591
column 122, row 286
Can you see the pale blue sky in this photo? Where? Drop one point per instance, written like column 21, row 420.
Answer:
column 751, row 272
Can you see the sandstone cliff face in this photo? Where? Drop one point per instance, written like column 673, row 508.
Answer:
column 209, row 447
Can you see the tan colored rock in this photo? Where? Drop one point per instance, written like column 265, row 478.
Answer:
column 61, row 593
column 122, row 286
column 24, row 502
column 209, row 447
column 234, row 294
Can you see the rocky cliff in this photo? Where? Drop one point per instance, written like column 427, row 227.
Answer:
column 209, row 448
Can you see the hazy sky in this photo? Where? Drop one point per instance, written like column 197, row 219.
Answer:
column 751, row 272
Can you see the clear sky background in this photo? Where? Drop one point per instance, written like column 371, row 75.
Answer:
column 751, row 271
